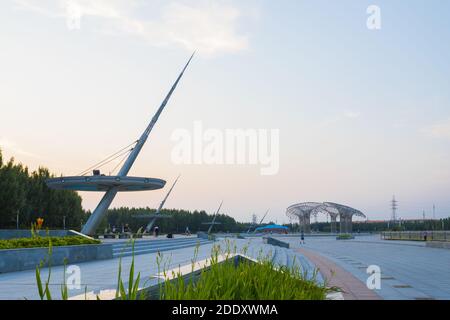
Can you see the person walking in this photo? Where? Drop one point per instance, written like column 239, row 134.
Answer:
column 187, row 232
column 302, row 238
column 156, row 231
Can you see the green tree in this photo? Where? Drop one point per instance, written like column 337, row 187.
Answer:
column 13, row 190
column 28, row 195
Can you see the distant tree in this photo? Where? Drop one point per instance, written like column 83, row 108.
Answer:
column 177, row 222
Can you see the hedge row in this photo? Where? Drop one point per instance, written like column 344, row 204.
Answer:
column 44, row 242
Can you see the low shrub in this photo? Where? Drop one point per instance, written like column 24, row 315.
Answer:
column 345, row 236
column 44, row 242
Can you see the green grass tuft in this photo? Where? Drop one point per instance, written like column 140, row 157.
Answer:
column 245, row 281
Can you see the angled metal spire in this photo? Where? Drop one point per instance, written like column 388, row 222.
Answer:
column 264, row 216
column 214, row 219
column 252, row 224
column 158, row 211
column 99, row 212
column 133, row 155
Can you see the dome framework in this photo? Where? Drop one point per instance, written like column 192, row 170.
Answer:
column 303, row 211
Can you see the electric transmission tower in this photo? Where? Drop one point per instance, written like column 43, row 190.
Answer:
column 394, row 207
column 254, row 219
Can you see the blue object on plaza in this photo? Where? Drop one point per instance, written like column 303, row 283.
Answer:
column 272, row 227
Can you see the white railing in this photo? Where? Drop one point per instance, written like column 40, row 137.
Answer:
column 416, row 235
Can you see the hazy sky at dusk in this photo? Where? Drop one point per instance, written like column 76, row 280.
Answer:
column 362, row 114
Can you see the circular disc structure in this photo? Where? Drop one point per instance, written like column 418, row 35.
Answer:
column 105, row 183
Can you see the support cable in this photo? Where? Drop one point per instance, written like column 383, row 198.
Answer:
column 108, row 159
column 121, row 161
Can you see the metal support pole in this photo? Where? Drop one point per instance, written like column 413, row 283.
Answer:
column 307, row 223
column 149, row 226
column 349, row 225
column 102, row 208
column 333, row 225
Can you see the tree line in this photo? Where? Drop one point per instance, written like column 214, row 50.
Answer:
column 173, row 221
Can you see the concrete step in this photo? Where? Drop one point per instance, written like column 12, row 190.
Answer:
column 282, row 257
column 151, row 247
column 154, row 243
column 140, row 242
column 159, row 247
column 144, row 244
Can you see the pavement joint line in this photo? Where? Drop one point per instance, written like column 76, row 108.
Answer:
column 402, row 286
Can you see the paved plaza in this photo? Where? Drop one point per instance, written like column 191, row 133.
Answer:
column 409, row 269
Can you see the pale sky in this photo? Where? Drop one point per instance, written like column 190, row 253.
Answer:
column 363, row 114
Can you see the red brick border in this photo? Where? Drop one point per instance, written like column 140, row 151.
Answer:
column 352, row 287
